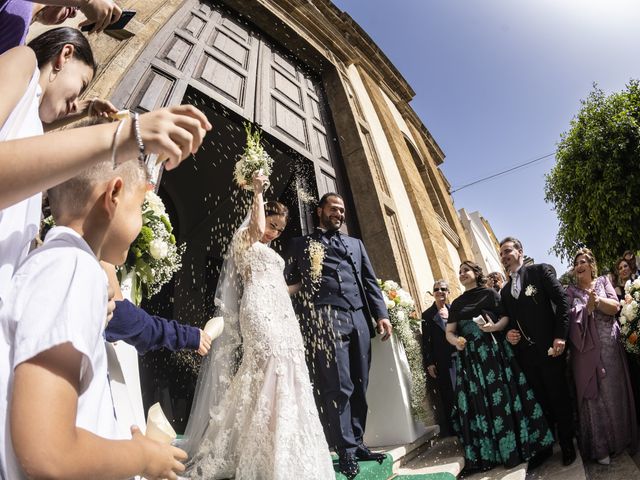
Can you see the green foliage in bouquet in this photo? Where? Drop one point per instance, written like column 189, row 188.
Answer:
column 406, row 327
column 154, row 256
column 253, row 158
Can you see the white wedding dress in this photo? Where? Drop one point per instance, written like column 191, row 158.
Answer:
column 267, row 424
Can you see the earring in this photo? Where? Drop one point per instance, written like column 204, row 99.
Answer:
column 57, row 68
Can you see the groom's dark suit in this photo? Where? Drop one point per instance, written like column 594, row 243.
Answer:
column 337, row 327
column 541, row 314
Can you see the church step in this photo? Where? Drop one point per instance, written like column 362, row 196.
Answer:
column 445, row 456
column 397, row 455
column 519, row 472
column 622, row 467
column 553, row 468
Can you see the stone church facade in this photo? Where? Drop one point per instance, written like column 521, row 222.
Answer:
column 317, row 84
column 336, row 116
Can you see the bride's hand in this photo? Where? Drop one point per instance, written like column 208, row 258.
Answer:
column 259, row 182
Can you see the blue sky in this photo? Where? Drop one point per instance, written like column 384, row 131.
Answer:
column 497, row 82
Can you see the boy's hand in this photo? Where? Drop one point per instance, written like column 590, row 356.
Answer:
column 205, row 343
column 162, row 461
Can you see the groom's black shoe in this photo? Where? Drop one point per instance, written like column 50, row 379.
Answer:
column 568, row 454
column 348, row 465
column 363, row 453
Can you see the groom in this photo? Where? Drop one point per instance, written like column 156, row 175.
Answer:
column 340, row 294
column 538, row 311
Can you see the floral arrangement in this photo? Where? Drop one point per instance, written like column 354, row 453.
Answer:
column 630, row 318
column 406, row 325
column 253, row 159
column 316, row 256
column 154, row 256
column 531, row 291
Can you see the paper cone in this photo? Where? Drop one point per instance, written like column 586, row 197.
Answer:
column 158, row 427
column 214, row 327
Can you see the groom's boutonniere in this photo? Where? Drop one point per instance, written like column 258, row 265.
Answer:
column 316, row 256
column 531, row 291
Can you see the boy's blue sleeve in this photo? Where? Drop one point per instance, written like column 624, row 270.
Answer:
column 148, row 332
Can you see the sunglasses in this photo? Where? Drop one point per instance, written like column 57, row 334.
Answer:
column 440, row 290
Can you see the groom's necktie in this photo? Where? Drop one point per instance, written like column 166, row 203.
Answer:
column 515, row 284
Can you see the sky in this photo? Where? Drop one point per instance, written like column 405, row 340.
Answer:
column 496, row 84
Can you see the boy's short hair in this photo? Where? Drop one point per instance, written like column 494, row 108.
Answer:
column 71, row 197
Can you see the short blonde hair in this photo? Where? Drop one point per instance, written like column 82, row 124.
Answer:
column 591, row 259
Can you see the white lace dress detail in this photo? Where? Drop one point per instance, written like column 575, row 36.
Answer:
column 268, row 424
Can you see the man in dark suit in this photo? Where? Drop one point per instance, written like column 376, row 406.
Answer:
column 439, row 355
column 538, row 311
column 340, row 294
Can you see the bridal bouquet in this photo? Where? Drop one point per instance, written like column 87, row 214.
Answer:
column 406, row 326
column 630, row 318
column 154, row 256
column 253, row 159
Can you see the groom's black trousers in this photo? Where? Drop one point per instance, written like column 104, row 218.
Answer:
column 339, row 372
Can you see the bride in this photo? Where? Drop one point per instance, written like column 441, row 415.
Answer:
column 257, row 420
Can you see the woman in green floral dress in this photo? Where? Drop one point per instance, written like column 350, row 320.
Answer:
column 495, row 414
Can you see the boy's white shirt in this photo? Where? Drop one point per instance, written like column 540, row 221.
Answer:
column 59, row 295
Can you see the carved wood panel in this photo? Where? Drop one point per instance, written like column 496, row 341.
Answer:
column 206, row 48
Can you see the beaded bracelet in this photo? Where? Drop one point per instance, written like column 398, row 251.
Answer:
column 136, row 130
column 115, row 144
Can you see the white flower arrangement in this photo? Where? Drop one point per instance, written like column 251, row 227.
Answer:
column 629, row 318
column 530, row 291
column 253, row 159
column 406, row 327
column 316, row 253
column 154, row 256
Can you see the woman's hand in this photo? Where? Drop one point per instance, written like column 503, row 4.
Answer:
column 100, row 108
column 461, row 342
column 259, row 182
column 431, row 369
column 101, row 12
column 205, row 343
column 171, row 133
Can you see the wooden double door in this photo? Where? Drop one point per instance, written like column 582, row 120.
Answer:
column 206, row 55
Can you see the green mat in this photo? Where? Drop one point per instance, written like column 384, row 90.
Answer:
column 369, row 470
column 427, row 476
column 384, row 471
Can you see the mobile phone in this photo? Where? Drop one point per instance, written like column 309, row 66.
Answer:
column 125, row 18
column 479, row 320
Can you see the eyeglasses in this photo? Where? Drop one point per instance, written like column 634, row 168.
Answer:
column 440, row 290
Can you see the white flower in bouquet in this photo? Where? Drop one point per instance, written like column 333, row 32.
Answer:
column 253, row 159
column 154, row 203
column 636, row 283
column 390, row 285
column 389, row 303
column 636, row 296
column 158, row 249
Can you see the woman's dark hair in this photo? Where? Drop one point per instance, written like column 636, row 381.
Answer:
column 49, row 44
column 616, row 275
column 276, row 208
column 477, row 271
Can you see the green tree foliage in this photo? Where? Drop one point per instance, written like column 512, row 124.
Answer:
column 595, row 183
